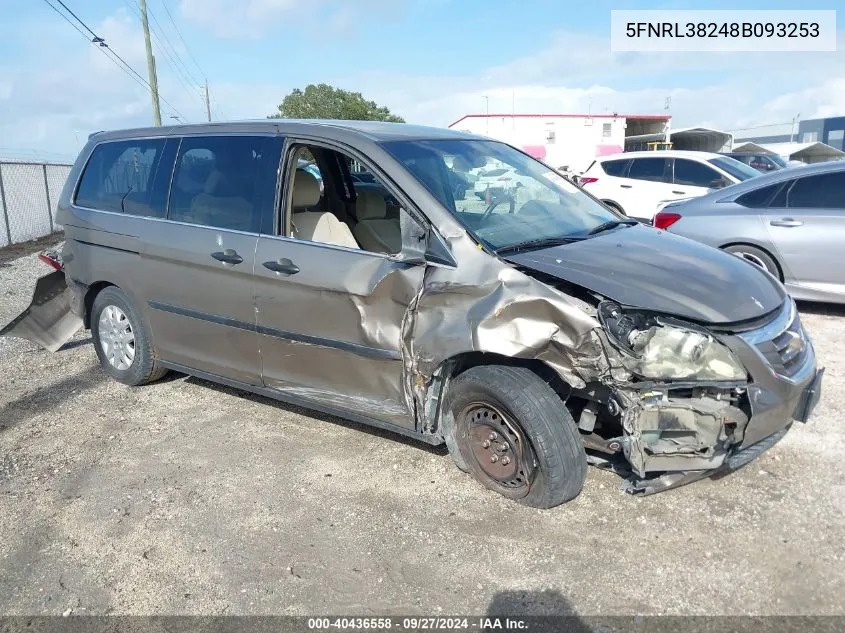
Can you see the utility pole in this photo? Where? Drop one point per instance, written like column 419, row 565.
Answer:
column 207, row 102
column 151, row 64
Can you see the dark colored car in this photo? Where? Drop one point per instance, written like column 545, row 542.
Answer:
column 761, row 162
column 532, row 335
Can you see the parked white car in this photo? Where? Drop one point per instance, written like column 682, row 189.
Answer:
column 638, row 183
column 494, row 183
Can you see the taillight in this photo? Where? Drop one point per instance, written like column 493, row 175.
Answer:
column 665, row 219
column 586, row 180
column 50, row 261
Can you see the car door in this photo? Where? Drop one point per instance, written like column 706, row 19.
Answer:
column 605, row 180
column 198, row 263
column 691, row 178
column 647, row 183
column 806, row 223
column 331, row 315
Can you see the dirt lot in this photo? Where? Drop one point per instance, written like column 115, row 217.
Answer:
column 185, row 498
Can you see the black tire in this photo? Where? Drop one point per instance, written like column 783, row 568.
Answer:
column 756, row 256
column 615, row 207
column 551, row 464
column 143, row 367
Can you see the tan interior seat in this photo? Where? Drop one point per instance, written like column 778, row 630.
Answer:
column 374, row 231
column 316, row 226
column 224, row 212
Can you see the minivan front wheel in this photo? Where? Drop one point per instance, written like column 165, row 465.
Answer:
column 122, row 340
column 515, row 435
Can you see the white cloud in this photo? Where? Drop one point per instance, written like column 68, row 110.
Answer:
column 252, row 19
column 579, row 73
column 67, row 88
column 240, row 18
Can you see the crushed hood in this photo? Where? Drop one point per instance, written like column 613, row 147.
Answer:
column 647, row 268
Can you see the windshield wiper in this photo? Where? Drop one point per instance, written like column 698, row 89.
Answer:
column 123, row 199
column 612, row 224
column 540, row 243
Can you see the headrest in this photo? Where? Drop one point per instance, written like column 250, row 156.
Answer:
column 212, row 181
column 306, row 190
column 370, row 205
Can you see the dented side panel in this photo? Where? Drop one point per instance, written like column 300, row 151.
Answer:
column 485, row 305
column 334, row 330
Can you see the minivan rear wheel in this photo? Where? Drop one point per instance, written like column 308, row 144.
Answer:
column 515, row 435
column 122, row 339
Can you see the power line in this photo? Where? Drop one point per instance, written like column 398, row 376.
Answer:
column 220, row 113
column 184, row 43
column 168, row 55
column 107, row 50
column 94, row 35
column 173, row 48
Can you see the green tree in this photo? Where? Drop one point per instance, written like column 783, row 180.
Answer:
column 327, row 102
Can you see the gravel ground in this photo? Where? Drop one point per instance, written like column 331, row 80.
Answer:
column 184, row 497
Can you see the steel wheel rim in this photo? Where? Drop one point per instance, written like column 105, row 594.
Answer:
column 498, row 448
column 117, row 339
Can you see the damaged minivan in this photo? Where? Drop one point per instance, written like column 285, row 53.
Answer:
column 348, row 268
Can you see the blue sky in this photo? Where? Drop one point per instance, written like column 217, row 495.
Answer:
column 430, row 61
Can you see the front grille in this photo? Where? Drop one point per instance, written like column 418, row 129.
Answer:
column 788, row 349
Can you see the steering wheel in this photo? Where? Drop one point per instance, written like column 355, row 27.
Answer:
column 511, row 200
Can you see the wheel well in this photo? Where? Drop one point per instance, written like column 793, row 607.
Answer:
column 615, row 205
column 93, row 290
column 456, row 365
column 759, row 248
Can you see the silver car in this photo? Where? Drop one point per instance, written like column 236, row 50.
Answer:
column 790, row 223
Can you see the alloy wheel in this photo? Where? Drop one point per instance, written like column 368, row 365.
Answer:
column 116, row 337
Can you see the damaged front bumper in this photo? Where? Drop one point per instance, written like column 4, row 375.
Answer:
column 674, row 433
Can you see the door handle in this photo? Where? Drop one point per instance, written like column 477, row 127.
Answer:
column 679, row 192
column 787, row 222
column 283, row 265
column 626, row 186
column 229, row 256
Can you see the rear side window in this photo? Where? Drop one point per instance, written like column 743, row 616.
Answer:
column 759, row 198
column 614, row 167
column 694, row 174
column 120, row 175
column 226, row 182
column 653, row 169
column 825, row 191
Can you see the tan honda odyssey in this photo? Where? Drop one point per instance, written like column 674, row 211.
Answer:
column 352, row 268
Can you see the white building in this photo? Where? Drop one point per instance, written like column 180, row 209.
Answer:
column 565, row 140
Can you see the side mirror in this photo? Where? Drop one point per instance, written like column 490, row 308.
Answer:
column 420, row 245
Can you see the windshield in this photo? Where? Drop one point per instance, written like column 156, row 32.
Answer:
column 735, row 168
column 502, row 196
column 777, row 160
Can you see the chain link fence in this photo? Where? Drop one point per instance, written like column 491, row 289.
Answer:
column 29, row 194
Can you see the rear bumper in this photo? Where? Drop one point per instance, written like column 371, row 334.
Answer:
column 50, row 320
